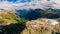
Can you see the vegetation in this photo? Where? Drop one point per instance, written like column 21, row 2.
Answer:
column 11, row 23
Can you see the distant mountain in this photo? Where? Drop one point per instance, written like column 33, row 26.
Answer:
column 39, row 13
column 31, row 13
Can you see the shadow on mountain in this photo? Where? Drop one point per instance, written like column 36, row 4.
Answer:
column 12, row 29
column 32, row 14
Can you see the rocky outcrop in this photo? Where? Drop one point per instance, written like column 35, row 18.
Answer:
column 40, row 26
column 57, row 26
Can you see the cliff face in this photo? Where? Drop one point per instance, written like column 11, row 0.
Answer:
column 40, row 26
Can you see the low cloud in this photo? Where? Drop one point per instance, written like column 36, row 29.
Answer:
column 55, row 4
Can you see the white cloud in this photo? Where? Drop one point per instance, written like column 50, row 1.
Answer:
column 57, row 4
column 33, row 4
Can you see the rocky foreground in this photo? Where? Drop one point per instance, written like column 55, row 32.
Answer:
column 42, row 26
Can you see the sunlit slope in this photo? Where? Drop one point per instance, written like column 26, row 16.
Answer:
column 9, row 17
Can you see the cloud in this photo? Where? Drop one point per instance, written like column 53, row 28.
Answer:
column 56, row 4
column 43, row 4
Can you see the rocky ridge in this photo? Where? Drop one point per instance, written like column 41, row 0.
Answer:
column 42, row 26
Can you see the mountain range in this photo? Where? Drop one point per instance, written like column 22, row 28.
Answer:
column 39, row 13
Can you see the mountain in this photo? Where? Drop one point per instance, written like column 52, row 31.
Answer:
column 32, row 14
column 8, row 17
column 13, row 22
column 10, row 22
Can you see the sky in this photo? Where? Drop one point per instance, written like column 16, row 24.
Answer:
column 29, row 4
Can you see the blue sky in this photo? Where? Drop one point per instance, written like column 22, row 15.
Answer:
column 29, row 4
column 17, row 0
column 12, row 0
column 21, row 0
